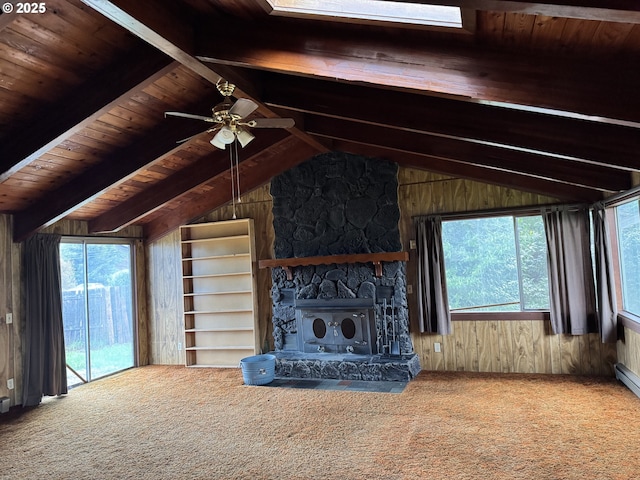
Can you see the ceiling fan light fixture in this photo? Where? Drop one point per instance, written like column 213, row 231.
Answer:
column 225, row 136
column 244, row 137
column 215, row 141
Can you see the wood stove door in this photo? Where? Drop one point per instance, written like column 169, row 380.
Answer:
column 335, row 332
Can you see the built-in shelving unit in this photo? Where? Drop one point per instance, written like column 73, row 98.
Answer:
column 219, row 292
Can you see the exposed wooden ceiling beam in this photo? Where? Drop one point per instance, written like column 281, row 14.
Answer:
column 7, row 18
column 473, row 172
column 68, row 116
column 254, row 172
column 570, row 87
column 167, row 27
column 513, row 161
column 115, row 168
column 582, row 140
column 178, row 184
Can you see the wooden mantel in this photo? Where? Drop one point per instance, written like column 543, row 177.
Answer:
column 375, row 258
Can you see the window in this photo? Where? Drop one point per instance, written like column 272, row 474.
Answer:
column 372, row 10
column 628, row 224
column 496, row 264
column 97, row 307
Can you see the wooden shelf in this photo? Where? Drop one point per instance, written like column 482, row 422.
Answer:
column 219, row 329
column 215, row 257
column 224, row 347
column 214, row 275
column 237, row 292
column 376, row 258
column 214, row 239
column 196, row 312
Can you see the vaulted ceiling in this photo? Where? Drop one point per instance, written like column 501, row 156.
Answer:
column 536, row 96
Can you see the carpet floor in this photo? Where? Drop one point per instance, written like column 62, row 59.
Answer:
column 161, row 422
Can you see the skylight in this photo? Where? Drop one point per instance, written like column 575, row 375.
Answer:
column 371, row 10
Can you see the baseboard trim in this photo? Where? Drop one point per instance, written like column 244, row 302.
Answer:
column 626, row 376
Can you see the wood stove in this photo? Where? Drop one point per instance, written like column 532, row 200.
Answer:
column 336, row 325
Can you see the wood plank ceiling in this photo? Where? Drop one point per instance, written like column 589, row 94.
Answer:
column 539, row 97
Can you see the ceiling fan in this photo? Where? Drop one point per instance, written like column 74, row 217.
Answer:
column 229, row 119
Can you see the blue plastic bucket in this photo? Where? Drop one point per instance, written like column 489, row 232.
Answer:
column 258, row 369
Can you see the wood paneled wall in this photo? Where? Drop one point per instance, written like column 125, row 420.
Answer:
column 518, row 346
column 10, row 335
column 164, row 281
column 629, row 350
column 484, row 346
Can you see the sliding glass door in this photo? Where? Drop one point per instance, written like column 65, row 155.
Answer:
column 97, row 307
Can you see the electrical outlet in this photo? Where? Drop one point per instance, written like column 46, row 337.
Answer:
column 412, row 244
column 9, row 318
column 409, row 289
column 179, row 346
column 10, row 384
column 436, row 347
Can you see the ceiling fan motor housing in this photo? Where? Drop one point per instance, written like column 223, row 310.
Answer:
column 221, row 111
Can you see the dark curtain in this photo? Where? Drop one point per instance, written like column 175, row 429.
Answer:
column 433, row 304
column 571, row 286
column 44, row 369
column 605, row 286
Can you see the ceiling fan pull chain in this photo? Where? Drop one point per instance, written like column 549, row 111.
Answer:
column 235, row 145
column 233, row 185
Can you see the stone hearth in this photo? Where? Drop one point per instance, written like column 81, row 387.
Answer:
column 337, row 204
column 347, row 367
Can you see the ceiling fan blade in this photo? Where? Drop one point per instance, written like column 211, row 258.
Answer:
column 243, row 107
column 190, row 115
column 272, row 123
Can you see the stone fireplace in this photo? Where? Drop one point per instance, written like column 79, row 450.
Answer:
column 339, row 304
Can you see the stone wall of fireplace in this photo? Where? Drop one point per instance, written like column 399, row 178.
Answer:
column 337, row 204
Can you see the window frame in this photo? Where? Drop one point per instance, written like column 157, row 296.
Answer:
column 625, row 318
column 533, row 314
column 307, row 10
column 85, row 240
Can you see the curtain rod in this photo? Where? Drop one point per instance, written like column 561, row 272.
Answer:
column 494, row 212
column 94, row 237
column 621, row 197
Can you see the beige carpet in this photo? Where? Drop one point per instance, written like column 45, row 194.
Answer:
column 163, row 422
